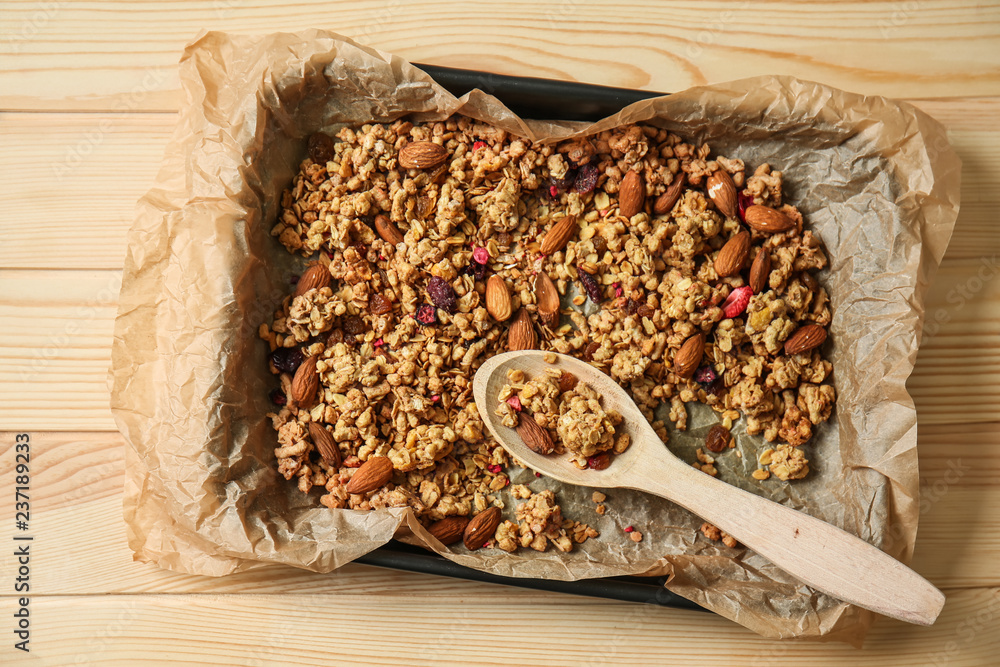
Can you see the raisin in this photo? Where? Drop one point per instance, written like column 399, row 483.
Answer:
column 567, row 381
column 321, row 148
column 287, row 359
column 600, row 244
column 588, row 353
column 426, row 314
column 599, row 461
column 586, row 178
column 564, row 183
column 503, row 239
column 379, row 305
column 644, row 311
column 442, row 294
column 354, row 325
column 590, row 286
column 336, row 336
column 717, row 439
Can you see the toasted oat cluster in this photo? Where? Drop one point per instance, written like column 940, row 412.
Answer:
column 557, row 400
column 691, row 277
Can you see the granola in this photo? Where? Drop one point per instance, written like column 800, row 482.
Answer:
column 402, row 325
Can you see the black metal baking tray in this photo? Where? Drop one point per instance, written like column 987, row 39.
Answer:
column 543, row 99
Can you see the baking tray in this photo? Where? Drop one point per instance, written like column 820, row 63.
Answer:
column 542, row 99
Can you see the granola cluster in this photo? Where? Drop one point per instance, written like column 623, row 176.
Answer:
column 401, row 325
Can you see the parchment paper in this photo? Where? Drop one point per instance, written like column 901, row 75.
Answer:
column 875, row 178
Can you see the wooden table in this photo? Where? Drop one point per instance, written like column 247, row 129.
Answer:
column 89, row 93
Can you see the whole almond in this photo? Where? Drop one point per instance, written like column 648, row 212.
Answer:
column 766, row 219
column 665, row 202
column 805, row 338
column 547, row 298
column 760, row 271
column 305, row 383
column 388, row 231
column 688, row 358
column 497, row 298
column 631, row 194
column 422, row 155
column 480, row 529
column 373, row 474
column 733, row 256
column 722, row 192
column 559, row 235
column 325, row 444
column 522, row 333
column 535, row 437
column 317, row 276
column 449, row 529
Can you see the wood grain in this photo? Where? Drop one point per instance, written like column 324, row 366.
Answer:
column 305, row 629
column 56, row 351
column 76, row 512
column 75, row 56
column 101, row 163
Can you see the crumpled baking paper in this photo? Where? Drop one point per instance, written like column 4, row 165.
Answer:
column 875, row 178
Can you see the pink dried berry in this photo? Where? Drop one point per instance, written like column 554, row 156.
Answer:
column 618, row 290
column 494, row 468
column 514, row 402
column 629, row 529
column 480, row 255
column 554, row 191
column 737, row 301
column 479, row 144
column 426, row 314
column 744, row 202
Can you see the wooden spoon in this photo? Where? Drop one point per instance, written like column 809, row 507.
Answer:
column 821, row 555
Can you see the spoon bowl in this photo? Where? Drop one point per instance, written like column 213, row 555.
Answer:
column 819, row 554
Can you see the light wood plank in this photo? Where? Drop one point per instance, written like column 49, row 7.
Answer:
column 71, row 185
column 76, row 514
column 116, row 55
column 345, row 630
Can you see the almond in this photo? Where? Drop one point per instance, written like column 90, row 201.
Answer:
column 498, row 298
column 688, row 358
column 481, row 528
column 559, row 235
column 760, row 271
column 306, row 382
column 325, row 444
column 522, row 333
column 422, row 155
column 388, row 231
column 373, row 474
column 535, row 437
column 665, row 202
column 547, row 298
column 733, row 256
column 631, row 194
column 805, row 338
column 766, row 219
column 449, row 529
column 317, row 276
column 722, row 192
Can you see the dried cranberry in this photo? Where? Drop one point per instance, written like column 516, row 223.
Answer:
column 426, row 314
column 743, row 202
column 632, row 306
column 586, row 178
column 479, row 271
column 705, row 376
column 278, row 397
column 442, row 294
column 379, row 305
column 599, row 461
column 322, row 148
column 354, row 325
column 287, row 359
column 590, row 286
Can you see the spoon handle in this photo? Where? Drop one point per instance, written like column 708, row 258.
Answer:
column 819, row 554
